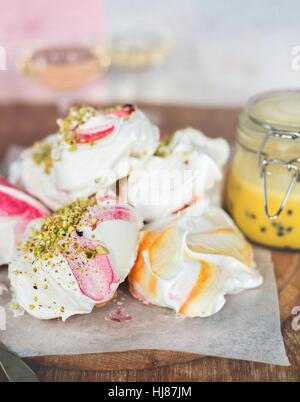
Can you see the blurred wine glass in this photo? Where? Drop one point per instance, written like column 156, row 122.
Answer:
column 133, row 52
column 64, row 69
column 139, row 50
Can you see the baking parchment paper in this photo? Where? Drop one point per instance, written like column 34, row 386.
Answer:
column 247, row 328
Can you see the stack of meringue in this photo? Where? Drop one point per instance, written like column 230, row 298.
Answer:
column 105, row 174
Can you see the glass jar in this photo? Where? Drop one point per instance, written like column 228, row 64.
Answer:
column 263, row 191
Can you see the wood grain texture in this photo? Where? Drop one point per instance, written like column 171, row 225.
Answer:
column 23, row 124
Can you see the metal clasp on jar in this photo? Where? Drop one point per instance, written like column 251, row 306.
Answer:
column 264, row 162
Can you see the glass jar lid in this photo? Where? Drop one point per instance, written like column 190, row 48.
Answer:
column 277, row 111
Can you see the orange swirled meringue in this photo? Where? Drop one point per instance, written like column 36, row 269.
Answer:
column 91, row 151
column 74, row 259
column 191, row 265
column 182, row 172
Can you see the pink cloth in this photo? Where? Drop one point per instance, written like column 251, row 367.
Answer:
column 28, row 23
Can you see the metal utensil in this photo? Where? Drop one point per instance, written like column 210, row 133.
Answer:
column 15, row 369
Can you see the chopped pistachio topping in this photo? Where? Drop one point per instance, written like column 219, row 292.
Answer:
column 42, row 155
column 116, row 109
column 163, row 148
column 53, row 237
column 90, row 254
column 76, row 117
column 101, row 250
column 112, row 109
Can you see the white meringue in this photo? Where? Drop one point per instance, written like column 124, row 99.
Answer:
column 17, row 209
column 92, row 151
column 218, row 149
column 192, row 264
column 190, row 139
column 180, row 174
column 92, row 252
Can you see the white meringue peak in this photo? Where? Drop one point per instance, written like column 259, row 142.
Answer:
column 191, row 139
column 184, row 170
column 74, row 259
column 190, row 265
column 91, row 151
column 17, row 209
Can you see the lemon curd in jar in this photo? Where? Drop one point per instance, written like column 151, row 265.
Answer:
column 278, row 112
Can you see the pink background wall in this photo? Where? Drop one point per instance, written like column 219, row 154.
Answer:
column 223, row 52
column 26, row 23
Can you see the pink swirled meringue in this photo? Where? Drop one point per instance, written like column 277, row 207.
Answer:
column 184, row 171
column 190, row 265
column 17, row 209
column 91, row 252
column 91, row 151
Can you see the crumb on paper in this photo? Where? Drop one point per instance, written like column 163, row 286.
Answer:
column 16, row 309
column 2, row 319
column 180, row 317
column 118, row 315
